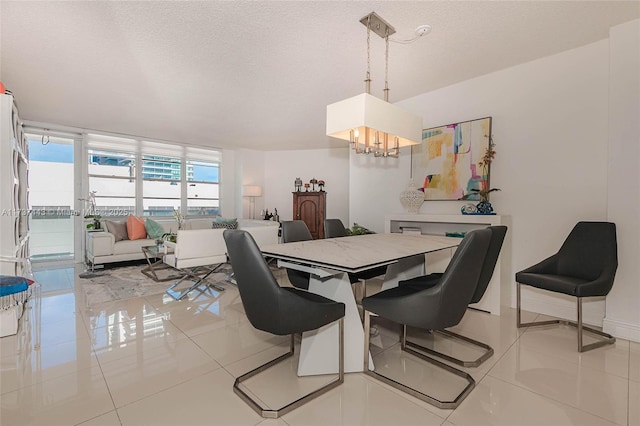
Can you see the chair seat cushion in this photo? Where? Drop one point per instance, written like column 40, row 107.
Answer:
column 558, row 283
column 305, row 311
column 425, row 281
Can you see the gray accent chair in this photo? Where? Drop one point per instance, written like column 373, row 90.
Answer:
column 435, row 308
column 280, row 311
column 585, row 266
column 495, row 245
column 294, row 231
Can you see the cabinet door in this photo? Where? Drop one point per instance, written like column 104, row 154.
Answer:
column 310, row 208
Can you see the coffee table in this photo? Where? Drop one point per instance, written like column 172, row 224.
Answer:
column 153, row 255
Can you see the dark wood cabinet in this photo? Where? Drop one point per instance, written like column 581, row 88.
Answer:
column 311, row 208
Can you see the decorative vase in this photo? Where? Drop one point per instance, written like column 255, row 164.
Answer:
column 411, row 199
column 484, row 207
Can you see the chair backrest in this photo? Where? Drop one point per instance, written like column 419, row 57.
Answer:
column 258, row 287
column 457, row 285
column 495, row 245
column 334, row 228
column 295, row 230
column 590, row 250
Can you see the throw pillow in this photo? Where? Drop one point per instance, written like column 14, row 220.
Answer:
column 217, row 225
column 154, row 229
column 135, row 228
column 220, row 219
column 118, row 229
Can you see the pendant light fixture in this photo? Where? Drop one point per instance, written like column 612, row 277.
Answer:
column 370, row 124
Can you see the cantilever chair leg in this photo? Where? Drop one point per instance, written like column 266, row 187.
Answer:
column 411, row 391
column 274, row 414
column 608, row 339
column 488, row 350
column 197, row 281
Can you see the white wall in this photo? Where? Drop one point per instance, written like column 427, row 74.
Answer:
column 550, row 128
column 283, row 167
column 623, row 303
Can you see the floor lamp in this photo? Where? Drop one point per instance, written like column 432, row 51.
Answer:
column 252, row 191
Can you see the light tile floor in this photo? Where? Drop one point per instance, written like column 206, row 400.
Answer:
column 157, row 361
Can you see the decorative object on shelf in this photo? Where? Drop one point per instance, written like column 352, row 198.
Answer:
column 455, row 234
column 91, row 211
column 313, row 182
column 298, row 184
column 95, row 223
column 358, row 230
column 306, row 187
column 484, row 206
column 370, row 124
column 469, row 209
column 411, row 198
column 449, row 162
column 321, row 185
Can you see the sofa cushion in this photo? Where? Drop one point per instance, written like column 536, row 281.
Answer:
column 154, row 229
column 118, row 229
column 231, row 225
column 220, row 219
column 135, row 228
column 129, row 247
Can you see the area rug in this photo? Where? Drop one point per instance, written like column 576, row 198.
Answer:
column 126, row 282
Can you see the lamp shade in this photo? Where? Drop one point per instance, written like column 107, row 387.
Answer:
column 367, row 111
column 251, row 191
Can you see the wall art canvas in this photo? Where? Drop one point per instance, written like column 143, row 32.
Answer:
column 448, row 162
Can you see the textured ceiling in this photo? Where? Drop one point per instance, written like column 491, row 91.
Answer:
column 259, row 74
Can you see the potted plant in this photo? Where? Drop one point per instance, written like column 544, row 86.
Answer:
column 358, row 230
column 484, row 206
column 95, row 223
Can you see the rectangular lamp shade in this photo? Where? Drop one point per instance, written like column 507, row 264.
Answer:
column 366, row 110
column 251, row 191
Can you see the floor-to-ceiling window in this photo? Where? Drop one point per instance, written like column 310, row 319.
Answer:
column 51, row 197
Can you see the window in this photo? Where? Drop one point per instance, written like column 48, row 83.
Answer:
column 112, row 176
column 203, row 190
column 151, row 178
column 161, row 189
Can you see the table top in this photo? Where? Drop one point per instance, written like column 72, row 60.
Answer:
column 361, row 252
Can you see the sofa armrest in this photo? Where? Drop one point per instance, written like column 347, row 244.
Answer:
column 100, row 243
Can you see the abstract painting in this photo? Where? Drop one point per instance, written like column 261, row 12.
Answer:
column 447, row 165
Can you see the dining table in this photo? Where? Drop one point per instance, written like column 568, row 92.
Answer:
column 329, row 263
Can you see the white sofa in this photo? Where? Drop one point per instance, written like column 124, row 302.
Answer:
column 101, row 247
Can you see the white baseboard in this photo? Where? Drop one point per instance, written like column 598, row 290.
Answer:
column 622, row 329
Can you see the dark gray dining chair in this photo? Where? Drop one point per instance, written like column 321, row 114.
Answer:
column 294, row 231
column 585, row 266
column 495, row 245
column 280, row 311
column 434, row 308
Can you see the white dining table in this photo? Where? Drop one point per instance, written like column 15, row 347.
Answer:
column 329, row 261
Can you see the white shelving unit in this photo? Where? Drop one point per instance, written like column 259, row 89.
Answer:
column 14, row 204
column 439, row 224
